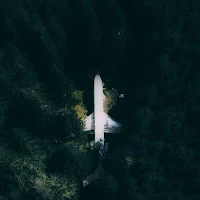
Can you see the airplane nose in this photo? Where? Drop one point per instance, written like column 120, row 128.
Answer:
column 97, row 77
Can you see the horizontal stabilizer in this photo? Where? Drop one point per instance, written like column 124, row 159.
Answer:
column 112, row 126
column 89, row 123
column 97, row 174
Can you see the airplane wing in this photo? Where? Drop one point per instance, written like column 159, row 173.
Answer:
column 112, row 126
column 104, row 97
column 89, row 123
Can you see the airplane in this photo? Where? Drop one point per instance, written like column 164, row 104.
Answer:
column 100, row 123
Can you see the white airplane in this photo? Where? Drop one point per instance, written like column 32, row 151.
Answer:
column 100, row 123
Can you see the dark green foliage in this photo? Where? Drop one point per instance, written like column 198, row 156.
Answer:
column 148, row 50
column 36, row 108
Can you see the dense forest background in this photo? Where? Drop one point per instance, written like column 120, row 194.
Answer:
column 50, row 51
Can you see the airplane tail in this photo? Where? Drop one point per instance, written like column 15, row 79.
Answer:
column 98, row 174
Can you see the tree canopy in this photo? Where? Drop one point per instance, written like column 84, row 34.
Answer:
column 147, row 50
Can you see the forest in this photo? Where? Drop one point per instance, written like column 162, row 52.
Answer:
column 50, row 51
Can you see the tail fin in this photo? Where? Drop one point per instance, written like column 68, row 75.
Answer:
column 96, row 175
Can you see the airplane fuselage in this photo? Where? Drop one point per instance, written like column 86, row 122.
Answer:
column 99, row 116
column 100, row 123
